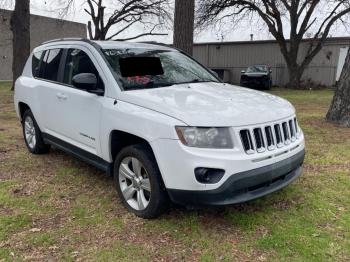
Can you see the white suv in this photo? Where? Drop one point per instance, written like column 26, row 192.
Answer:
column 162, row 124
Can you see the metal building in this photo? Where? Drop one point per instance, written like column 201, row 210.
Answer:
column 230, row 58
column 42, row 29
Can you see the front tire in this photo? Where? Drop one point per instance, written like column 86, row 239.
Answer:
column 32, row 134
column 138, row 182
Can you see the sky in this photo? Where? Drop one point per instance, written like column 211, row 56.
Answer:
column 241, row 32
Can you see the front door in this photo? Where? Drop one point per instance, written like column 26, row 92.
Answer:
column 80, row 110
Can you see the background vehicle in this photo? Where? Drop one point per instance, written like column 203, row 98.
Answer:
column 257, row 76
column 162, row 124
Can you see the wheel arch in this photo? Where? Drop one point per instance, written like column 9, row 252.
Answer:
column 22, row 107
column 120, row 139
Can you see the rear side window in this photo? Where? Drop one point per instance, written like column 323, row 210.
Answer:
column 36, row 63
column 50, row 64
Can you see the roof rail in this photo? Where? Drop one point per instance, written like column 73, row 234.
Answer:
column 67, row 39
column 155, row 43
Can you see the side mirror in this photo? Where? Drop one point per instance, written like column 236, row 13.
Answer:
column 85, row 81
column 242, row 72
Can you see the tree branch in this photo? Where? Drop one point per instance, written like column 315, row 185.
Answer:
column 140, row 35
column 125, row 14
column 303, row 17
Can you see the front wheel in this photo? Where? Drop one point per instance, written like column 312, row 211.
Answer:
column 139, row 183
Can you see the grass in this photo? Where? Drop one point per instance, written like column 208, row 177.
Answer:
column 54, row 207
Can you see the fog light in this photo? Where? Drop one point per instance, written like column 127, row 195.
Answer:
column 208, row 175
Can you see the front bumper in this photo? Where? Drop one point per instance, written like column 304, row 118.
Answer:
column 255, row 82
column 244, row 186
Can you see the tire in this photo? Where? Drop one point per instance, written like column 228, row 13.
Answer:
column 267, row 85
column 32, row 134
column 135, row 172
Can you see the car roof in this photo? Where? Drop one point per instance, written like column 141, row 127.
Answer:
column 111, row 44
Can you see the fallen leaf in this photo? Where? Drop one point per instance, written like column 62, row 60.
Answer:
column 35, row 229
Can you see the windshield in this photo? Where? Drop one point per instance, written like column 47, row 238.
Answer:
column 257, row 69
column 142, row 68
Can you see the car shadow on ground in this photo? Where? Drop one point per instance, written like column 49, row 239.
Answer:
column 95, row 176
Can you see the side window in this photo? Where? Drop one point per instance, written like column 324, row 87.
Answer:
column 78, row 62
column 51, row 63
column 36, row 63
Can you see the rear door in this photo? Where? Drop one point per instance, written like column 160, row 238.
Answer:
column 47, row 76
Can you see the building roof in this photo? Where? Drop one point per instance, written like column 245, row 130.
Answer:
column 330, row 39
column 9, row 12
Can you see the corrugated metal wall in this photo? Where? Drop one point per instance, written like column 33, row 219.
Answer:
column 237, row 56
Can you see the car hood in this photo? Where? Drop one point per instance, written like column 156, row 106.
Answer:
column 212, row 104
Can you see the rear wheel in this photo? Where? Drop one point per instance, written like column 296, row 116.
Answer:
column 139, row 183
column 32, row 134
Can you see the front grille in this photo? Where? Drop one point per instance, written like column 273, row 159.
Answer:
column 260, row 139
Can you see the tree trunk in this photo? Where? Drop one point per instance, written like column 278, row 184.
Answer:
column 20, row 27
column 184, row 25
column 339, row 112
column 295, row 73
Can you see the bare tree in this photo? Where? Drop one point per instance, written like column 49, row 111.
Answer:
column 339, row 112
column 125, row 14
column 306, row 17
column 20, row 27
column 184, row 25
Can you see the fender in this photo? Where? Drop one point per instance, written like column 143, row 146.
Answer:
column 135, row 120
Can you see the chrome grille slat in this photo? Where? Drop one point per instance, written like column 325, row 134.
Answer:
column 269, row 137
column 265, row 137
column 296, row 126
column 247, row 141
column 274, row 136
column 286, row 134
column 279, row 136
column 259, row 140
column 270, row 140
column 292, row 130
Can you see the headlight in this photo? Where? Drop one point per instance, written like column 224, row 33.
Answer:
column 203, row 137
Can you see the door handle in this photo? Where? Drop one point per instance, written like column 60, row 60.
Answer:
column 61, row 96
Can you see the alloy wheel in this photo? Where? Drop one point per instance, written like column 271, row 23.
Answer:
column 134, row 183
column 29, row 131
